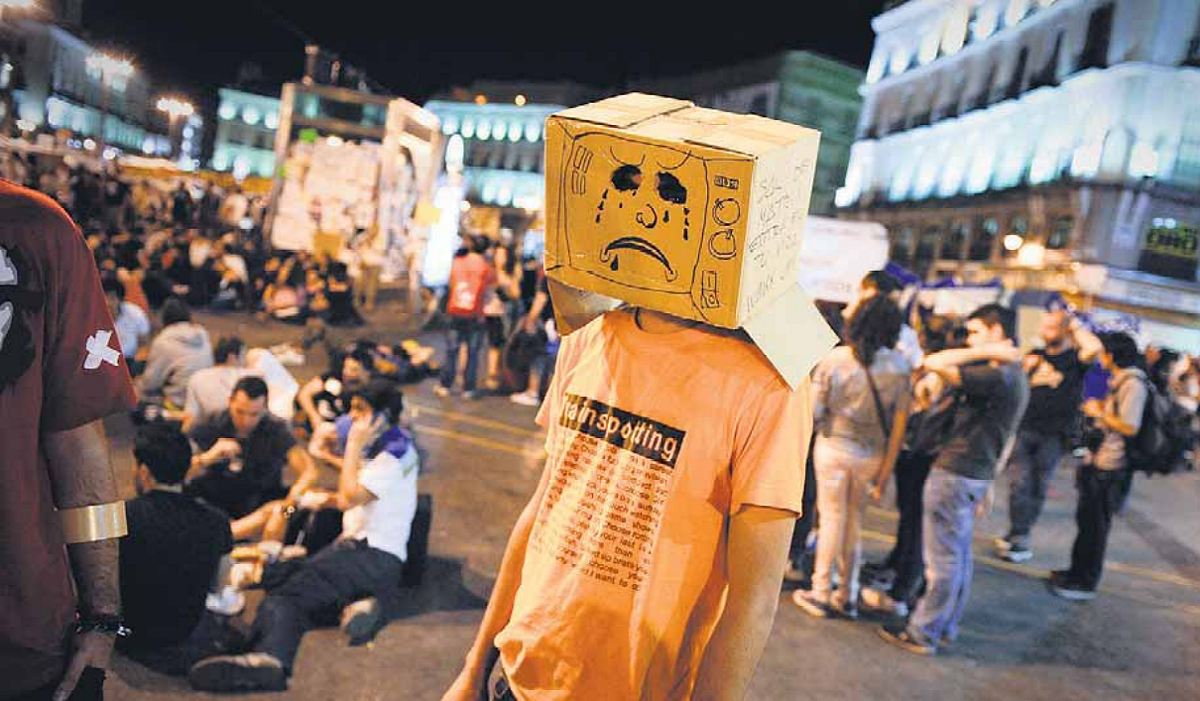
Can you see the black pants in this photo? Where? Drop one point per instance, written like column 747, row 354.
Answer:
column 316, row 592
column 1100, row 495
column 808, row 517
column 906, row 559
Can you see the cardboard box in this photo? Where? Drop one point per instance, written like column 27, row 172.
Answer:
column 689, row 211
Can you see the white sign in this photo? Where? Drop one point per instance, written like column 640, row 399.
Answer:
column 836, row 254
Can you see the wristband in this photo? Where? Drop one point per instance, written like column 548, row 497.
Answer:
column 110, row 625
column 88, row 524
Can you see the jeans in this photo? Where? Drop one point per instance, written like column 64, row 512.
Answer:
column 949, row 523
column 317, row 591
column 1034, row 459
column 1100, row 495
column 912, row 469
column 842, row 484
column 463, row 331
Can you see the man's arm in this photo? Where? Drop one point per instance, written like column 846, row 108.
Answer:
column 756, row 555
column 305, row 399
column 1088, row 344
column 81, row 475
column 469, row 686
column 305, row 469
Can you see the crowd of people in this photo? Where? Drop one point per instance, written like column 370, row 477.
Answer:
column 952, row 416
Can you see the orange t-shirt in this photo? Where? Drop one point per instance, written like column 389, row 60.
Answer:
column 653, row 441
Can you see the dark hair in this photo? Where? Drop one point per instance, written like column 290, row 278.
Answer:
column 875, row 325
column 1122, row 348
column 882, row 281
column 164, row 450
column 251, row 386
column 384, row 397
column 175, row 310
column 111, row 285
column 997, row 315
column 338, row 271
column 481, row 244
column 227, row 347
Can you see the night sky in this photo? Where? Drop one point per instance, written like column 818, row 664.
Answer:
column 193, row 46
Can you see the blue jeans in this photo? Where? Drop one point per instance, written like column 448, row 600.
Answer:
column 1034, row 459
column 463, row 331
column 949, row 522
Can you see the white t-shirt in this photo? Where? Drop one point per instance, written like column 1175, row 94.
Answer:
column 386, row 520
column 131, row 324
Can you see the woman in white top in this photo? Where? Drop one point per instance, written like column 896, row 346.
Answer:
column 858, row 390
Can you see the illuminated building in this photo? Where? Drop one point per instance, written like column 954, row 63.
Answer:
column 795, row 86
column 1069, row 129
column 57, row 87
column 244, row 142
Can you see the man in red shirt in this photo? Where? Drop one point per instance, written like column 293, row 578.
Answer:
column 61, row 372
column 472, row 280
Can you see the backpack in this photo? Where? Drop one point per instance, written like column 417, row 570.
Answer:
column 1165, row 437
column 468, row 284
column 930, row 429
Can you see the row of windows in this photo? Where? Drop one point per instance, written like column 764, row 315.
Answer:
column 504, row 155
column 970, row 240
column 960, row 27
column 951, row 100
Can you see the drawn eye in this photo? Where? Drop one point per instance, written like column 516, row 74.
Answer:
column 670, row 189
column 627, row 178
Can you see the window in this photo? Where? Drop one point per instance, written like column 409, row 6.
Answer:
column 1187, row 158
column 956, row 242
column 1048, row 74
column 902, row 243
column 1017, row 81
column 928, row 245
column 1060, row 234
column 1099, row 31
column 984, row 240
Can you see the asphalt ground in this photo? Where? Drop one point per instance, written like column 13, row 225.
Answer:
column 1139, row 639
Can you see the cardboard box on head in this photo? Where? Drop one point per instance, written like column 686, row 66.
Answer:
column 688, row 211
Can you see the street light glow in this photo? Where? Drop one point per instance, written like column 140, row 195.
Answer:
column 175, row 107
column 109, row 66
column 1013, row 242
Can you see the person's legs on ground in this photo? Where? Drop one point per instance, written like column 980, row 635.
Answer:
column 976, row 489
column 804, row 524
column 909, row 563
column 859, row 474
column 474, row 340
column 455, row 337
column 1099, row 497
column 833, row 482
column 1035, row 458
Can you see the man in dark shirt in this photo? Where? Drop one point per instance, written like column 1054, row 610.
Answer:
column 1056, row 374
column 995, row 391
column 174, row 547
column 242, row 452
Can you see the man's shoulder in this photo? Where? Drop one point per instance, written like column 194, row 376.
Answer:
column 38, row 213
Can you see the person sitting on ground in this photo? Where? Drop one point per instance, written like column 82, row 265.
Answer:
column 171, row 556
column 243, row 452
column 339, row 294
column 377, row 491
column 327, row 396
column 179, row 350
column 131, row 323
column 208, row 389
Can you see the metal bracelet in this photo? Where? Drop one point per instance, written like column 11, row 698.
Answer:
column 87, row 524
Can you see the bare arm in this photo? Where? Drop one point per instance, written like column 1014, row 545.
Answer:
column 1088, row 343
column 81, row 475
column 471, row 680
column 892, row 453
column 305, row 398
column 944, row 360
column 757, row 553
column 305, row 470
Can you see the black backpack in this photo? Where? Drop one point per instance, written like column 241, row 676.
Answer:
column 1165, row 438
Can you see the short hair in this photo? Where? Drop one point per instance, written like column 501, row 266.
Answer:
column 174, row 311
column 883, row 281
column 384, row 396
column 1122, row 348
column 164, row 450
column 997, row 315
column 251, row 386
column 227, row 347
column 113, row 286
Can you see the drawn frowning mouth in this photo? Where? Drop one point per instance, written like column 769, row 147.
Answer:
column 641, row 245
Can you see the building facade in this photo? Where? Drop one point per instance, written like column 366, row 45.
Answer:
column 1034, row 139
column 795, row 86
column 244, row 140
column 56, row 86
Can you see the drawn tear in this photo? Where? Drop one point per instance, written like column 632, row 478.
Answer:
column 666, row 215
column 597, row 218
column 615, row 264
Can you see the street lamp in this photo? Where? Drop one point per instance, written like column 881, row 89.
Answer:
column 176, row 110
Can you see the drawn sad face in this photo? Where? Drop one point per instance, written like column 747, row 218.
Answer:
column 637, row 213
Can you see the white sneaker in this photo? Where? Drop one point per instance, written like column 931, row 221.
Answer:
column 524, row 399
column 227, row 602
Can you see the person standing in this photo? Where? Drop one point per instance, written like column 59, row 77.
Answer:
column 649, row 566
column 61, row 372
column 472, row 279
column 995, row 392
column 1101, row 480
column 858, row 391
column 1056, row 373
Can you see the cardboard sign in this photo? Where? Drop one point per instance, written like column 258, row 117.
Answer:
column 689, row 211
